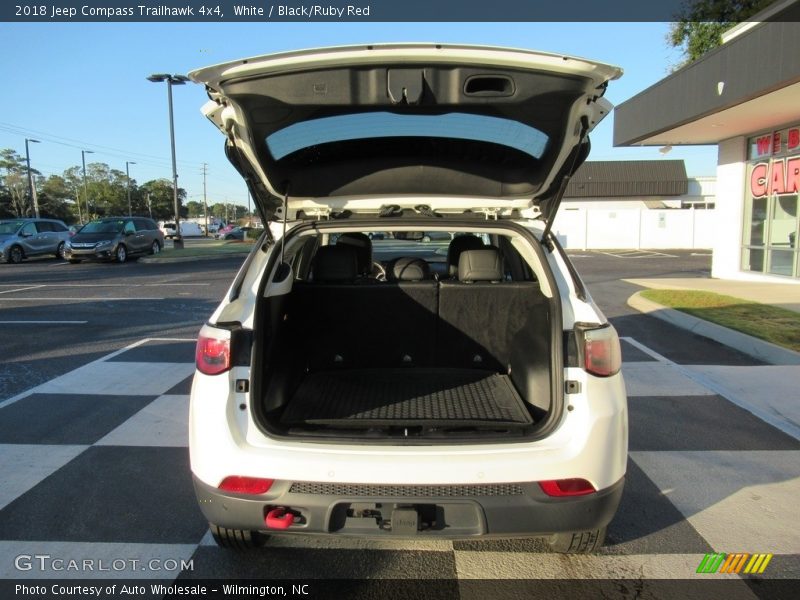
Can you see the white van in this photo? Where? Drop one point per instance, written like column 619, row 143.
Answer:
column 188, row 229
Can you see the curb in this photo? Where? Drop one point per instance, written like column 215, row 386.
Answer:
column 150, row 260
column 766, row 351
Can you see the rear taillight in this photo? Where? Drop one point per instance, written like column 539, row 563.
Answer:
column 246, row 485
column 567, row 487
column 213, row 352
column 600, row 348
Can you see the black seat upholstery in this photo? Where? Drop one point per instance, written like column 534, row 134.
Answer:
column 408, row 268
column 335, row 264
column 482, row 317
column 457, row 246
column 363, row 247
column 480, row 265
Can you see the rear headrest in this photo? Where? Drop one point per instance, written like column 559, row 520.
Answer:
column 409, row 268
column 459, row 245
column 363, row 247
column 480, row 265
column 335, row 264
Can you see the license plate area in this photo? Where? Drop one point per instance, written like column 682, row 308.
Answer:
column 406, row 519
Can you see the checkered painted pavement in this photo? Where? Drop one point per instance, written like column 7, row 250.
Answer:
column 94, row 464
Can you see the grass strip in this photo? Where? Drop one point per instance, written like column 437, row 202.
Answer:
column 770, row 323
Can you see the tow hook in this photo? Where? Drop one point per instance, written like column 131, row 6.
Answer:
column 279, row 518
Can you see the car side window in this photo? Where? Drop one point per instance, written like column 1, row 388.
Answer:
column 58, row 227
column 44, row 226
column 129, row 227
column 28, row 229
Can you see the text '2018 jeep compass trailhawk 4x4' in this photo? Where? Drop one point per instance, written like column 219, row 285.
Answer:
column 355, row 381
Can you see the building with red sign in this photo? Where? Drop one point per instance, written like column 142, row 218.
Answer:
column 745, row 97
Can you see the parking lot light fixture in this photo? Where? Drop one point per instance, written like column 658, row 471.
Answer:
column 128, row 183
column 30, row 177
column 86, row 189
column 172, row 80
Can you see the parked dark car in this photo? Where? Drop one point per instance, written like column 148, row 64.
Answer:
column 23, row 238
column 115, row 238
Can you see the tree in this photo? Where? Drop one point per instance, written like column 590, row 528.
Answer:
column 194, row 209
column 14, row 184
column 57, row 199
column 161, row 201
column 701, row 23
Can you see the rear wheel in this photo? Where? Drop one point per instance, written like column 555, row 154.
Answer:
column 579, row 542
column 60, row 250
column 155, row 248
column 121, row 254
column 15, row 255
column 237, row 539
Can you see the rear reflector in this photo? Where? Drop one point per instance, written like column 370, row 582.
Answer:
column 601, row 352
column 213, row 352
column 567, row 487
column 245, row 485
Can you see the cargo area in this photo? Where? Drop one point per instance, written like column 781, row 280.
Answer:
column 464, row 356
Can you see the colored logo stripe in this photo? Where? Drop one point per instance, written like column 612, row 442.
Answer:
column 758, row 563
column 734, row 563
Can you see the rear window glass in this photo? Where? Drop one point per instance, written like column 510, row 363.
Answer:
column 461, row 126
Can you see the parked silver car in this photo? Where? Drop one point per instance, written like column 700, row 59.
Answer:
column 115, row 238
column 23, row 238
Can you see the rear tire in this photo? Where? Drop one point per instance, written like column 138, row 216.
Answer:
column 15, row 255
column 237, row 539
column 60, row 251
column 578, row 542
column 155, row 248
column 121, row 254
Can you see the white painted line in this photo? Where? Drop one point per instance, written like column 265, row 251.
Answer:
column 98, row 299
column 708, row 383
column 34, row 389
column 22, row 289
column 43, row 322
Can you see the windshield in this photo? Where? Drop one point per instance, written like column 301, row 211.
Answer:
column 387, row 125
column 103, row 227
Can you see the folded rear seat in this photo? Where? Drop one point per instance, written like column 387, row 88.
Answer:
column 483, row 319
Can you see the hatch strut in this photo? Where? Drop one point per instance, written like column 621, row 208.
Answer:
column 285, row 218
column 283, row 270
column 553, row 209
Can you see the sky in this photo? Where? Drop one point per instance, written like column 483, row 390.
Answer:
column 82, row 86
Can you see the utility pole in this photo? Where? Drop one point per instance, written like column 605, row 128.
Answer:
column 205, row 201
column 85, row 189
column 31, row 191
column 128, row 181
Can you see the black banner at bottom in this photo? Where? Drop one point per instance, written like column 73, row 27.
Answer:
column 390, row 589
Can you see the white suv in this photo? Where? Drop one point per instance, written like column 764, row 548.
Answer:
column 356, row 381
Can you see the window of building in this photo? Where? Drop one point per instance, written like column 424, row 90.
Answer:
column 771, row 217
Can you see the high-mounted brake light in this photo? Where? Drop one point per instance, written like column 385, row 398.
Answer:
column 213, row 352
column 246, row 485
column 567, row 487
column 601, row 352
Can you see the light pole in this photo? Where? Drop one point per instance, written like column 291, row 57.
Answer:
column 30, row 177
column 85, row 189
column 172, row 80
column 128, row 178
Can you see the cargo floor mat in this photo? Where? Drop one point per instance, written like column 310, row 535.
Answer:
column 394, row 397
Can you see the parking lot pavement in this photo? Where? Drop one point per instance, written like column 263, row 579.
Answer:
column 95, row 465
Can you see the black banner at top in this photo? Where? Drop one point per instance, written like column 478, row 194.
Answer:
column 210, row 11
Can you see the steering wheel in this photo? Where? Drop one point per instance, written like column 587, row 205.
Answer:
column 378, row 271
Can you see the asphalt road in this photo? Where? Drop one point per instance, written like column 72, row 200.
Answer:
column 56, row 316
column 703, row 476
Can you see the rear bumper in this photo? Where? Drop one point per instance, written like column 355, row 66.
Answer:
column 449, row 512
